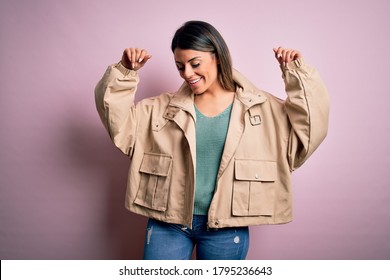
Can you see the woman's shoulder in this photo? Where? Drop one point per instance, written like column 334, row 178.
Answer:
column 162, row 99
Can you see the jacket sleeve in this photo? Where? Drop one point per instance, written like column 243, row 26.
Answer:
column 307, row 107
column 114, row 97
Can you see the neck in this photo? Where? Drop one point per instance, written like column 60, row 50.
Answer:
column 213, row 103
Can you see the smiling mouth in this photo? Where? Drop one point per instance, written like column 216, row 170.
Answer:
column 194, row 82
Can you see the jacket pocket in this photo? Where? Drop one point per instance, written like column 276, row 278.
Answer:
column 253, row 187
column 155, row 180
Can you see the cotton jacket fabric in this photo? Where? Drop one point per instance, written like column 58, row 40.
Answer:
column 267, row 139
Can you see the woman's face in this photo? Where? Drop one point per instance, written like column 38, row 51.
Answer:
column 198, row 69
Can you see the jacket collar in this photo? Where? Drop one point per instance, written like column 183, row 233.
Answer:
column 183, row 99
column 246, row 92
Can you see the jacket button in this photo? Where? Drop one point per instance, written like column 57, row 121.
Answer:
column 257, row 176
column 216, row 223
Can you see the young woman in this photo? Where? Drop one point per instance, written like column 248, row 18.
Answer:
column 216, row 156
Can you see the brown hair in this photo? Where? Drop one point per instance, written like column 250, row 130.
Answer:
column 202, row 36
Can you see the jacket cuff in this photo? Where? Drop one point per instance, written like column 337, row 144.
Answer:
column 125, row 71
column 295, row 64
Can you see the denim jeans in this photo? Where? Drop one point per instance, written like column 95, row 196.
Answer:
column 166, row 241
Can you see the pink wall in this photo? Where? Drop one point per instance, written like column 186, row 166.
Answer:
column 62, row 182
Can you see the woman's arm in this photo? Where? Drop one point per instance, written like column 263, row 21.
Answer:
column 307, row 106
column 114, row 97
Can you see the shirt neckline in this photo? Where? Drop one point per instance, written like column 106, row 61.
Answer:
column 199, row 113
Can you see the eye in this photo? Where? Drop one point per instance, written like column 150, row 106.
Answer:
column 180, row 68
column 195, row 65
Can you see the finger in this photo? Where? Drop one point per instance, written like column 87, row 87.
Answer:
column 137, row 56
column 128, row 52
column 133, row 57
column 126, row 58
column 293, row 55
column 297, row 55
column 142, row 56
column 145, row 59
column 284, row 56
column 278, row 54
column 289, row 56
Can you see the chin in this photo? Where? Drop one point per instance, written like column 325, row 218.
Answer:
column 198, row 92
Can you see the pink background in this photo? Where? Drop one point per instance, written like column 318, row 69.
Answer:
column 62, row 182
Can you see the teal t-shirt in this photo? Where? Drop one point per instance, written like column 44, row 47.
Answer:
column 210, row 141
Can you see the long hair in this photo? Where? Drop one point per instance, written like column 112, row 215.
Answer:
column 202, row 36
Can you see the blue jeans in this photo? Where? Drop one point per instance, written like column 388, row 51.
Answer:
column 166, row 241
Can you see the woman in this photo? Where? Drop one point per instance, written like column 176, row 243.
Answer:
column 216, row 156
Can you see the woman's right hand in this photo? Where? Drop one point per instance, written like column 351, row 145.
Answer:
column 135, row 58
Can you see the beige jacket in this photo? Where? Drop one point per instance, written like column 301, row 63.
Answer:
column 267, row 139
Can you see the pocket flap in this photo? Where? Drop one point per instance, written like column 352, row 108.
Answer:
column 156, row 164
column 255, row 170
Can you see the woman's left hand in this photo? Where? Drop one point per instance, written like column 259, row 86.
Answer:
column 284, row 55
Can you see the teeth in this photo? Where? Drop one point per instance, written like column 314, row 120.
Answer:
column 194, row 81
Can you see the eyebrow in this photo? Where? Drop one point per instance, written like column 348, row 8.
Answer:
column 189, row 60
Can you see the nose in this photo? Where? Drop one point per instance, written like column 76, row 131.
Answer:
column 188, row 72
